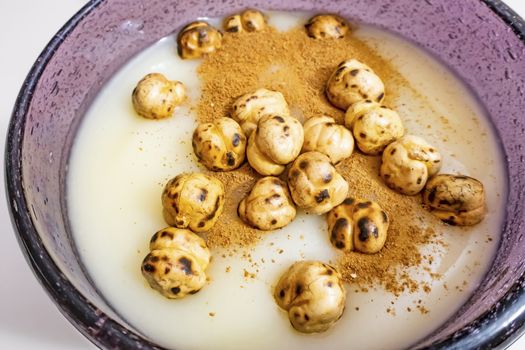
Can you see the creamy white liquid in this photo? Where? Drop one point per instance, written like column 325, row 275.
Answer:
column 120, row 163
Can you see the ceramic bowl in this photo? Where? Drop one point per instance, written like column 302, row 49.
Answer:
column 482, row 41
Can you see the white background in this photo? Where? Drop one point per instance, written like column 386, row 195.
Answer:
column 28, row 318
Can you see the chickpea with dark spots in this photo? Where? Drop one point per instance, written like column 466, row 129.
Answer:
column 211, row 144
column 315, row 308
column 250, row 107
column 406, row 166
column 198, row 39
column 359, row 225
column 268, row 206
column 249, row 20
column 326, row 26
column 270, row 148
column 155, row 96
column 308, row 185
column 194, row 208
column 176, row 263
column 352, row 82
column 455, row 199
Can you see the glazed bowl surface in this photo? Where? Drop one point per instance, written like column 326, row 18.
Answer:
column 483, row 42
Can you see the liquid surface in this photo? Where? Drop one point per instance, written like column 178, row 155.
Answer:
column 120, row 163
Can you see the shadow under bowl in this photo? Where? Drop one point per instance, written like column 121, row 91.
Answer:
column 481, row 41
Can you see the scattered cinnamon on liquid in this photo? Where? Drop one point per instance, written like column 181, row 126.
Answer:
column 298, row 67
column 229, row 230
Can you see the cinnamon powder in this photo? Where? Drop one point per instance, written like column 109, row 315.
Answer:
column 298, row 67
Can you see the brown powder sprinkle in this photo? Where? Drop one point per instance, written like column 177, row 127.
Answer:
column 411, row 226
column 298, row 67
column 229, row 229
column 288, row 62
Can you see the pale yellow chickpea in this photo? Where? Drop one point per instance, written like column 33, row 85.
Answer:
column 193, row 201
column 313, row 294
column 352, row 82
column 455, row 199
column 176, row 263
column 221, row 145
column 198, row 39
column 315, row 184
column 250, row 107
column 408, row 163
column 327, row 26
column 268, row 206
column 248, row 20
column 155, row 96
column 276, row 142
column 374, row 126
column 322, row 134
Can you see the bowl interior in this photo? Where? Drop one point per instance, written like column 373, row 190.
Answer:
column 467, row 36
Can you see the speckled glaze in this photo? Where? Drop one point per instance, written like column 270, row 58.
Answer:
column 482, row 41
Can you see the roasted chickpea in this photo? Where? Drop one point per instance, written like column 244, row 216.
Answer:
column 249, row 108
column 155, row 97
column 455, row 199
column 220, row 145
column 408, row 163
column 315, row 184
column 327, row 26
column 358, row 224
column 198, row 39
column 193, row 201
column 276, row 142
column 233, row 24
column 323, row 135
column 352, row 82
column 176, row 264
column 374, row 126
column 268, row 206
column 313, row 294
column 249, row 20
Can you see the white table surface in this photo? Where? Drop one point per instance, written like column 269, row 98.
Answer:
column 28, row 318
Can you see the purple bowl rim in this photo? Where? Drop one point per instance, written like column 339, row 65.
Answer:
column 82, row 314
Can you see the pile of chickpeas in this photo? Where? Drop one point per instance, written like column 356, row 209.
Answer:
column 262, row 130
